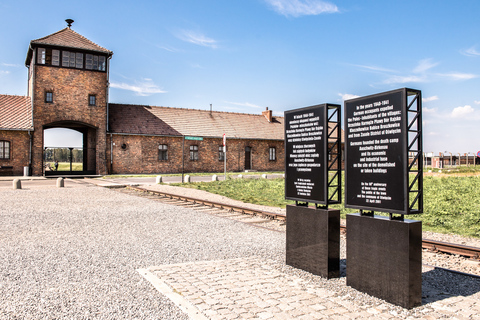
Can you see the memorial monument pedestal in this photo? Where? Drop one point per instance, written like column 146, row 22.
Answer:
column 384, row 258
column 313, row 240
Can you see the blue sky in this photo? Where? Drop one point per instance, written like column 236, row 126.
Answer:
column 246, row 55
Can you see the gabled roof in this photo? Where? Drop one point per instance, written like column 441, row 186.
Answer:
column 15, row 113
column 66, row 38
column 148, row 120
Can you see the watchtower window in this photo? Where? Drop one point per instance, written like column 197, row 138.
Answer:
column 42, row 55
column 55, row 57
column 4, row 150
column 48, row 56
column 79, row 60
column 92, row 100
column 71, row 59
column 49, row 97
column 66, row 59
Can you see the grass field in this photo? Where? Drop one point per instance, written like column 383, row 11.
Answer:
column 451, row 203
column 65, row 166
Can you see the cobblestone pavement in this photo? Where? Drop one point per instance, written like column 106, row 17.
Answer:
column 252, row 288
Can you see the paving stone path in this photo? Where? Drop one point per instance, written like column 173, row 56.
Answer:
column 252, row 288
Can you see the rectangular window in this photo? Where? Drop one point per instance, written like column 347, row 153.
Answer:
column 89, row 61
column 194, row 153
column 65, row 58
column 272, row 154
column 4, row 150
column 92, row 100
column 79, row 60
column 71, row 63
column 55, row 57
column 42, row 53
column 163, row 152
column 95, row 62
column 49, row 97
column 101, row 63
column 221, row 154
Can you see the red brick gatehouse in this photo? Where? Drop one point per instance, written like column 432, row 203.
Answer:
column 68, row 88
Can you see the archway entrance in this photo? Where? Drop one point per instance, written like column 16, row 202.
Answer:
column 69, row 149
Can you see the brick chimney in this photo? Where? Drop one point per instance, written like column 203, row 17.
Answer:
column 268, row 114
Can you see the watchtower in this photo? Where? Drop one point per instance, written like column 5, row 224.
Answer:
column 68, row 87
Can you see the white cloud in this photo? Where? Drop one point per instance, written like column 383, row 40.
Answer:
column 432, row 98
column 197, row 38
column 458, row 76
column 477, row 102
column 404, row 79
column 4, row 72
column 168, row 48
column 197, row 66
column 244, row 104
column 429, row 110
column 373, row 68
column 144, row 88
column 424, row 65
column 471, row 52
column 462, row 112
column 10, row 65
column 297, row 8
column 347, row 96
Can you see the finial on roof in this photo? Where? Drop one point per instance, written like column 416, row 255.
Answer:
column 69, row 22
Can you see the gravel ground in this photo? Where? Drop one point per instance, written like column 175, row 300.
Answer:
column 73, row 252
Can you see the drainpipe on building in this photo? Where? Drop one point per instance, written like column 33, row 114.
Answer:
column 183, row 157
column 111, row 153
column 107, row 88
column 107, row 129
column 30, row 153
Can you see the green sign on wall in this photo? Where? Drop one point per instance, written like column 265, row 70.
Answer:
column 193, row 138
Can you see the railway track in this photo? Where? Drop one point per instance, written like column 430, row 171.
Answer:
column 276, row 222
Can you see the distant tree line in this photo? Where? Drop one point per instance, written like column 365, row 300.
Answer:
column 63, row 155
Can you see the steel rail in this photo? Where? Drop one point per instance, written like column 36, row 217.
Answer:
column 213, row 204
column 431, row 245
column 451, row 248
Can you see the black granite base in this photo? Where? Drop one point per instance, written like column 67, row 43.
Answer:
column 313, row 240
column 384, row 258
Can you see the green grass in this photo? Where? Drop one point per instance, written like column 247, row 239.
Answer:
column 65, row 166
column 455, row 170
column 451, row 204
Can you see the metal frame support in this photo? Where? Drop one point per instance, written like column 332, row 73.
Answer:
column 415, row 151
column 334, row 168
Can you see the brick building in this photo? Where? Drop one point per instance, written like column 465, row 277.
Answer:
column 68, row 88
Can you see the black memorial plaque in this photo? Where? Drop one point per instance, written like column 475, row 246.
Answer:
column 305, row 153
column 376, row 152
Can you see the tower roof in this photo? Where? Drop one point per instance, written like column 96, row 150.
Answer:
column 66, row 38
